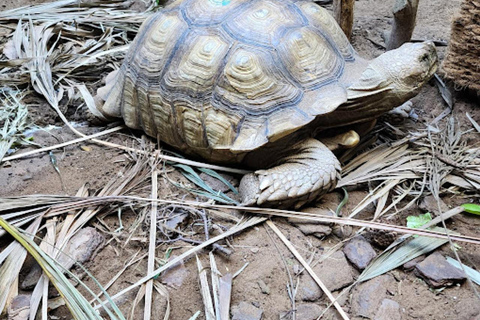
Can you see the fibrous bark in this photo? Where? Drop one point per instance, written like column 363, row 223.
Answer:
column 462, row 62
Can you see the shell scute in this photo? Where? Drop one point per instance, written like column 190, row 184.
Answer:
column 263, row 23
column 219, row 78
column 194, row 72
column 209, row 12
column 253, row 85
column 310, row 58
column 326, row 24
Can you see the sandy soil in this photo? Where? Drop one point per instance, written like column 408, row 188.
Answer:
column 268, row 260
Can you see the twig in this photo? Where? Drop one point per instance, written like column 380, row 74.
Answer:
column 151, row 246
column 308, row 268
column 61, row 145
column 247, row 224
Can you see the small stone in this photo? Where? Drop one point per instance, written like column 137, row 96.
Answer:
column 408, row 266
column 27, row 176
column 81, row 247
column 437, row 272
column 316, row 230
column 368, row 296
column 173, row 222
column 264, row 287
column 254, row 250
column 175, row 275
column 359, row 252
column 429, row 204
column 380, row 238
column 86, row 148
column 342, row 232
column 19, row 308
column 304, row 311
column 216, row 184
column 308, row 289
column 246, row 311
column 32, row 277
column 296, row 269
column 335, row 271
column 389, row 310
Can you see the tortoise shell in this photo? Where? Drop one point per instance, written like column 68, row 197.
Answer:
column 223, row 77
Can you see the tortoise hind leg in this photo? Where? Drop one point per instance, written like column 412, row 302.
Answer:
column 310, row 171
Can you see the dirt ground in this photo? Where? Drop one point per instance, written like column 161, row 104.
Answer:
column 268, row 260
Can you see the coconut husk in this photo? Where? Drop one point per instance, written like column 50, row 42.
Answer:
column 462, row 62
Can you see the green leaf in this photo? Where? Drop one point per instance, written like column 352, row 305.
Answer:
column 418, row 221
column 471, row 208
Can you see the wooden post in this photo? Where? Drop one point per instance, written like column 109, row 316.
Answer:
column 404, row 15
column 343, row 11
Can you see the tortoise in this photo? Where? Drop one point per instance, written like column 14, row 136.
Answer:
column 260, row 83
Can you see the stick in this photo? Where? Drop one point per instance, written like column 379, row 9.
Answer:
column 404, row 15
column 308, row 268
column 151, row 247
column 61, row 145
column 343, row 11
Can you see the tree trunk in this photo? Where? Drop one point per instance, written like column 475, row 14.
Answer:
column 404, row 15
column 343, row 11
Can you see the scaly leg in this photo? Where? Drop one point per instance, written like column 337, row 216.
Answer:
column 310, row 171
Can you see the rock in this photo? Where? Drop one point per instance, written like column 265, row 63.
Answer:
column 304, row 311
column 19, row 308
column 264, row 287
column 380, row 238
column 216, row 184
column 429, row 204
column 359, row 252
column 173, row 222
column 368, row 296
column 32, row 277
column 316, row 230
column 175, row 275
column 81, row 247
column 246, row 311
column 335, row 272
column 389, row 310
column 408, row 266
column 308, row 289
column 342, row 232
column 437, row 272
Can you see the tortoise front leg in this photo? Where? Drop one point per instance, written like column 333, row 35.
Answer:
column 310, row 171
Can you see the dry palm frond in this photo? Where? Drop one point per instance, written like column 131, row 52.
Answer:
column 11, row 261
column 58, row 46
column 243, row 225
column 205, row 190
column 404, row 167
column 472, row 273
column 13, row 120
column 139, row 202
column 393, row 258
column 77, row 304
column 205, row 291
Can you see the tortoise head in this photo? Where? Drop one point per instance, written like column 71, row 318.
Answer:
column 397, row 75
